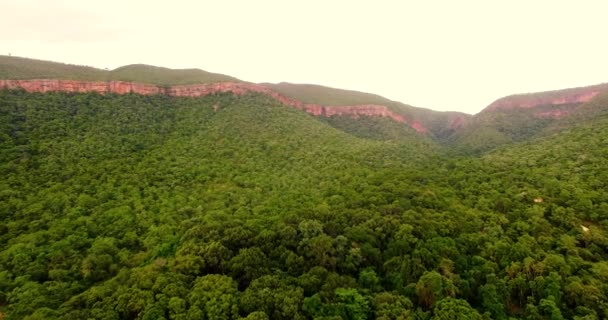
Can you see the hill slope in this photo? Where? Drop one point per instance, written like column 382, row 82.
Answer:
column 24, row 68
column 310, row 93
column 231, row 206
column 439, row 125
column 131, row 206
column 436, row 124
column 522, row 117
column 165, row 76
column 511, row 119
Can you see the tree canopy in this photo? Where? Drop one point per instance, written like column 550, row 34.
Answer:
column 237, row 207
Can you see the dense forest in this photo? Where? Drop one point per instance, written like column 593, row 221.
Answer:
column 226, row 207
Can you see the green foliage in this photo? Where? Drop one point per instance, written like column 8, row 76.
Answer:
column 274, row 296
column 165, row 76
column 377, row 128
column 433, row 287
column 344, row 304
column 439, row 124
column 215, row 295
column 310, row 93
column 226, row 207
column 23, row 68
column 489, row 130
column 391, row 306
column 454, row 309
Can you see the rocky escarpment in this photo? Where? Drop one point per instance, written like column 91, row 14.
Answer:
column 197, row 90
column 550, row 98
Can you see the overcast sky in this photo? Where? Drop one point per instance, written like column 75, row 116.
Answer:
column 443, row 55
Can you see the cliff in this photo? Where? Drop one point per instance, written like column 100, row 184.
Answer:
column 549, row 98
column 198, row 90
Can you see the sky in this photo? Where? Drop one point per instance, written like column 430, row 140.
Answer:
column 442, row 55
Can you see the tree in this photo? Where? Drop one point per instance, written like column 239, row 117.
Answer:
column 549, row 308
column 369, row 280
column 274, row 297
column 216, row 296
column 319, row 251
column 100, row 262
column 432, row 287
column 454, row 309
column 248, row 264
column 256, row 315
column 346, row 303
column 391, row 306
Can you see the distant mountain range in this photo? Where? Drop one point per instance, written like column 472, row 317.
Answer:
column 509, row 119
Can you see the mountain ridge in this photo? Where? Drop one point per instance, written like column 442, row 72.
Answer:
column 197, row 90
column 21, row 68
column 527, row 113
column 553, row 97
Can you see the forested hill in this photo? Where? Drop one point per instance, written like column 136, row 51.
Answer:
column 24, row 68
column 238, row 206
column 523, row 118
column 336, row 104
column 511, row 119
column 229, row 207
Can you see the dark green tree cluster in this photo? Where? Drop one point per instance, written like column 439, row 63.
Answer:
column 227, row 207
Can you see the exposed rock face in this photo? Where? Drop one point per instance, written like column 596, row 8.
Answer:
column 559, row 97
column 362, row 110
column 46, row 85
column 197, row 90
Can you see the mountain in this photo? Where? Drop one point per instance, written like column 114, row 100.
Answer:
column 438, row 124
column 510, row 119
column 556, row 98
column 330, row 103
column 521, row 117
column 233, row 200
column 23, row 68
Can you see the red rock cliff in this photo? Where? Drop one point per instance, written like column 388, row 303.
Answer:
column 197, row 90
column 559, row 97
column 46, row 85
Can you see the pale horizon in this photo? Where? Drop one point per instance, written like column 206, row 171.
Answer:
column 438, row 55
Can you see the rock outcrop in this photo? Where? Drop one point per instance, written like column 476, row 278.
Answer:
column 549, row 98
column 47, row 85
column 198, row 90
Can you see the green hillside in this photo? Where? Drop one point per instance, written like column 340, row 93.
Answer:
column 165, row 76
column 552, row 94
column 228, row 207
column 310, row 93
column 376, row 128
column 437, row 122
column 488, row 130
column 24, row 68
column 239, row 207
